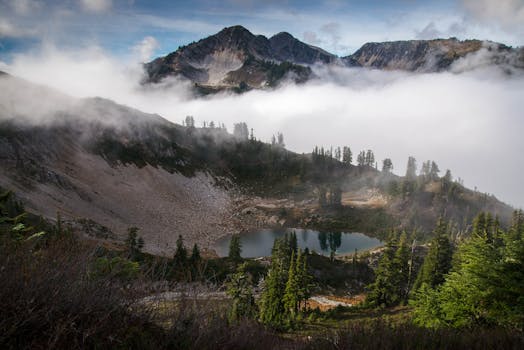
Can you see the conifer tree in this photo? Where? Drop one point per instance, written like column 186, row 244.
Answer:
column 401, row 266
column 180, row 257
column 387, row 166
column 235, row 249
column 384, row 290
column 347, row 155
column 438, row 260
column 290, row 298
column 240, row 289
column 195, row 255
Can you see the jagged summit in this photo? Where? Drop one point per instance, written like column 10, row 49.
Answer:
column 236, row 58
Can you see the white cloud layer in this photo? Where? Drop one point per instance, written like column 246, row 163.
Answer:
column 146, row 48
column 470, row 123
column 507, row 13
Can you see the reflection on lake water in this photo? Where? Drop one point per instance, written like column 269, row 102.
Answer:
column 259, row 243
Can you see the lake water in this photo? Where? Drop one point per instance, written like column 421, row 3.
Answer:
column 259, row 243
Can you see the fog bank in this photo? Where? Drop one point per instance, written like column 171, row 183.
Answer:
column 470, row 122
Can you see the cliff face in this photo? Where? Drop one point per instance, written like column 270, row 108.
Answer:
column 235, row 58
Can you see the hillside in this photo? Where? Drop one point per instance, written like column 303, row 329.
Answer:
column 118, row 167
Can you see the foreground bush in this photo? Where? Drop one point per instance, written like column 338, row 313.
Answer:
column 381, row 335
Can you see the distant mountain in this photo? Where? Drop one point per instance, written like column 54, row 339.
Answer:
column 434, row 55
column 238, row 60
column 235, row 58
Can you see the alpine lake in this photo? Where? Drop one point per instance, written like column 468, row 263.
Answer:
column 259, row 243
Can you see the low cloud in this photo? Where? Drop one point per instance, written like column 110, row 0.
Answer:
column 10, row 30
column 508, row 14
column 25, row 7
column 311, row 38
column 429, row 32
column 470, row 122
column 97, row 6
column 146, row 48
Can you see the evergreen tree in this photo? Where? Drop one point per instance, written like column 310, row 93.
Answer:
column 240, row 289
column 369, row 158
column 438, row 260
column 304, row 279
column 401, row 266
column 347, row 155
column 387, row 166
column 411, row 170
column 290, row 298
column 361, row 158
column 272, row 310
column 433, row 172
column 485, row 286
column 338, row 154
column 180, row 257
column 134, row 243
column 384, row 290
column 241, row 131
column 235, row 249
column 195, row 255
column 280, row 140
column 190, row 122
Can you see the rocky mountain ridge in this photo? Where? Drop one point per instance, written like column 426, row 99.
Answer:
column 236, row 59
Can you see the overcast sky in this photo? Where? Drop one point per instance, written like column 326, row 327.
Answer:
column 338, row 26
column 471, row 123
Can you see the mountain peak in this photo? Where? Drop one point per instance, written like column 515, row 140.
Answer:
column 282, row 36
column 237, row 30
column 236, row 57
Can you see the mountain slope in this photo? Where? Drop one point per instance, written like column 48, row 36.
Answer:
column 235, row 57
column 54, row 160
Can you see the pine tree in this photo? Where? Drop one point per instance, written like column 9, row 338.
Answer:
column 347, row 155
column 387, row 166
column 235, row 249
column 401, row 266
column 272, row 310
column 290, row 298
column 384, row 290
column 195, row 255
column 411, row 170
column 134, row 243
column 304, row 279
column 240, row 289
column 438, row 260
column 180, row 257
column 280, row 140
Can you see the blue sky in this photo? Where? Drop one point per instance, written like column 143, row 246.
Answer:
column 158, row 27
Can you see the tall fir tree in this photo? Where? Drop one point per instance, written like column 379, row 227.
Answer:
column 437, row 262
column 235, row 249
